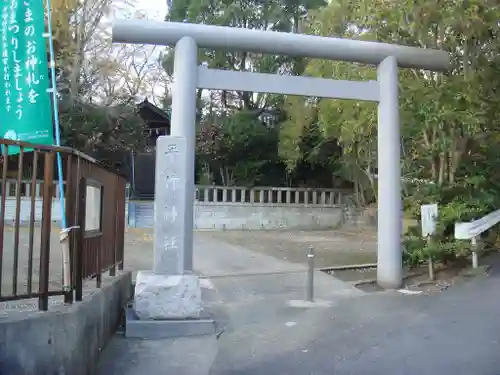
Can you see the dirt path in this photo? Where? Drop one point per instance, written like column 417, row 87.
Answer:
column 332, row 248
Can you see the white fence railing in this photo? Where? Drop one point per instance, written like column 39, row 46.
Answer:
column 268, row 195
column 211, row 194
column 26, row 189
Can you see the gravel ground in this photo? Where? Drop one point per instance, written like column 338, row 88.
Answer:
column 55, row 265
column 331, row 247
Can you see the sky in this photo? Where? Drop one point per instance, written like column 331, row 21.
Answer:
column 155, row 9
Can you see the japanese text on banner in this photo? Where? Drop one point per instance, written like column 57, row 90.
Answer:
column 26, row 113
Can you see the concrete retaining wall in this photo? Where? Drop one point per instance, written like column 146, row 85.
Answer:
column 227, row 216
column 10, row 209
column 216, row 215
column 241, row 216
column 65, row 340
column 361, row 217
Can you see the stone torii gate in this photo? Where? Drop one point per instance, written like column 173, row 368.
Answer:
column 188, row 76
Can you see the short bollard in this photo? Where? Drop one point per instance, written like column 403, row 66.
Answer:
column 310, row 275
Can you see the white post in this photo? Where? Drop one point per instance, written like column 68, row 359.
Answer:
column 389, row 256
column 183, row 124
column 474, row 252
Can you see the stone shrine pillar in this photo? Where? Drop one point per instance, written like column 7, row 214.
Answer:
column 171, row 290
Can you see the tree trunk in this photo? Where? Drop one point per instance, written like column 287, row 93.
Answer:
column 442, row 164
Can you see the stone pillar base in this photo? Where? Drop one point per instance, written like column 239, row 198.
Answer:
column 159, row 297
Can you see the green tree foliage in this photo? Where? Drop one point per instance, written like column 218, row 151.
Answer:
column 352, row 124
column 271, row 15
column 106, row 133
column 247, row 151
column 449, row 121
column 239, row 149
